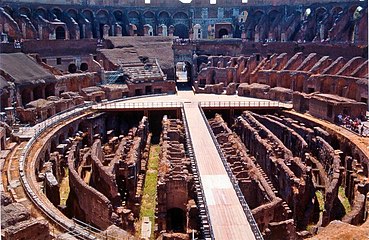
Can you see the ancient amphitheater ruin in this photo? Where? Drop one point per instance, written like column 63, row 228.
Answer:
column 173, row 119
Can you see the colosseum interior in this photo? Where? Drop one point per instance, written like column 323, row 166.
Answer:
column 174, row 119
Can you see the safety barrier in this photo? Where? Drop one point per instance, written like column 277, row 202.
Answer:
column 203, row 207
column 241, row 198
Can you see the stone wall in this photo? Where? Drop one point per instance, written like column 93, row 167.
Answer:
column 94, row 207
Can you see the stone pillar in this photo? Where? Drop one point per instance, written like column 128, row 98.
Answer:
column 106, row 29
column 118, row 30
column 283, row 37
column 40, row 36
column 257, row 37
column 171, row 30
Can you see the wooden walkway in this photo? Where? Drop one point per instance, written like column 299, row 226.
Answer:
column 227, row 217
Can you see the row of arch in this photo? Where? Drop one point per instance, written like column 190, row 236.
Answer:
column 268, row 24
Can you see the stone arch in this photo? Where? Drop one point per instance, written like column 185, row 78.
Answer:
column 320, row 13
column 118, row 15
column 164, row 18
column 181, row 31
column 134, row 18
column 88, row 14
column 8, row 9
column 180, row 15
column 102, row 16
column 133, row 14
column 25, row 11
column 42, row 12
column 149, row 14
column 336, row 10
column 73, row 13
column 60, row 32
column 57, row 12
column 149, row 18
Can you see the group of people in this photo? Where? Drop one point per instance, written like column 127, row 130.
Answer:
column 355, row 125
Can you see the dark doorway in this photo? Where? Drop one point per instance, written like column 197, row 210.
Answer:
column 138, row 92
column 181, row 31
column 176, row 220
column 72, row 68
column 60, row 33
column 84, row 67
column 223, row 32
column 148, row 89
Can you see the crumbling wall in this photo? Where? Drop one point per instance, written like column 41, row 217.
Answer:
column 96, row 208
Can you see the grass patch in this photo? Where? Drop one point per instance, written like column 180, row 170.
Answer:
column 149, row 192
column 344, row 200
column 64, row 188
column 320, row 198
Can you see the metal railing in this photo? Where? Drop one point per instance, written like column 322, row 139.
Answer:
column 247, row 104
column 71, row 228
column 207, row 231
column 138, row 105
column 241, row 198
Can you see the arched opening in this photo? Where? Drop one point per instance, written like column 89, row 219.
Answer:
column 38, row 93
column 57, row 13
column 73, row 14
column 149, row 18
column 88, row 15
column 60, row 33
column 26, row 96
column 50, row 90
column 103, row 19
column 176, row 219
column 25, row 11
column 181, row 31
column 83, row 67
column 72, row 68
column 183, row 72
column 134, row 19
column 223, row 33
column 42, row 12
column 164, row 18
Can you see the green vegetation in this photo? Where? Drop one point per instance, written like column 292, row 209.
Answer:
column 149, row 192
column 344, row 200
column 320, row 198
column 64, row 188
